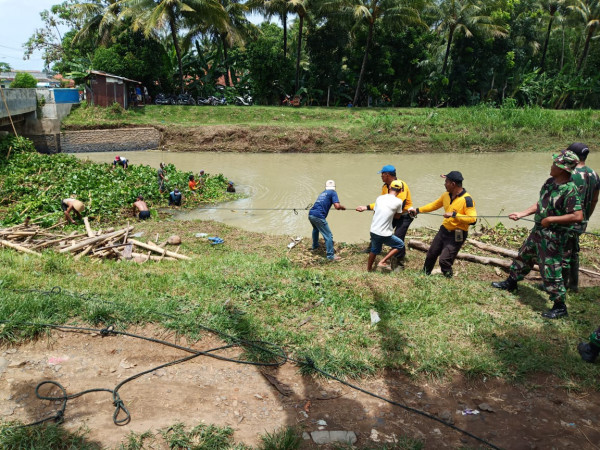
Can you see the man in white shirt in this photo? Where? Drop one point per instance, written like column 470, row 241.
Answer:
column 387, row 207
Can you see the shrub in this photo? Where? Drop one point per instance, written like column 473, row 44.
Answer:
column 23, row 80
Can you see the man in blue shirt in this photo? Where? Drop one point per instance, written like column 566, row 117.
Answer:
column 318, row 218
column 175, row 198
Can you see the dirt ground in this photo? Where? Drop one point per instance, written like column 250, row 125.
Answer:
column 536, row 415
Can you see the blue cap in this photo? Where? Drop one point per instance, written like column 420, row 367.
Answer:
column 388, row 168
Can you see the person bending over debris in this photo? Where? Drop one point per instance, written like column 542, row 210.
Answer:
column 175, row 197
column 230, row 187
column 317, row 217
column 387, row 208
column 123, row 162
column 72, row 204
column 141, row 208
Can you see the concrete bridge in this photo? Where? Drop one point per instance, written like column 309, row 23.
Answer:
column 37, row 114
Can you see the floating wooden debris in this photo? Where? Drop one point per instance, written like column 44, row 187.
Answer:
column 29, row 238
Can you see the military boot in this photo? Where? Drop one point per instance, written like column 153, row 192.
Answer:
column 589, row 352
column 510, row 285
column 559, row 309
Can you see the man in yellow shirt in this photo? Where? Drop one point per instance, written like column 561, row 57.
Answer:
column 401, row 224
column 459, row 213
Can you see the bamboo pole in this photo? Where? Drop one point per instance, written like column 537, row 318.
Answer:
column 19, row 247
column 88, row 229
column 93, row 240
column 157, row 249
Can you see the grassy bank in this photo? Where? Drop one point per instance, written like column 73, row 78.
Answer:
column 251, row 287
column 319, row 129
column 33, row 185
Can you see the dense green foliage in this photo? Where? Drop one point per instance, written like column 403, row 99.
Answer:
column 34, row 184
column 425, row 53
column 23, row 80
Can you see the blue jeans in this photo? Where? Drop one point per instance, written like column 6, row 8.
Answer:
column 321, row 226
column 378, row 241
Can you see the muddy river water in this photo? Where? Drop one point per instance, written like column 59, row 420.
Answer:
column 500, row 183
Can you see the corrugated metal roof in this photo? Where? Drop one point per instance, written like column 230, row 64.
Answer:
column 105, row 74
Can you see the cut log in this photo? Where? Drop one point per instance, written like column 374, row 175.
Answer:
column 54, row 241
column 95, row 239
column 157, row 249
column 88, row 229
column 493, row 248
column 18, row 247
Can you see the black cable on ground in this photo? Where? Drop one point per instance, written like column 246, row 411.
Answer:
column 259, row 345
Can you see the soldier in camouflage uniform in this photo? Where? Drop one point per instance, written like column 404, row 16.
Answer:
column 589, row 352
column 588, row 184
column 558, row 207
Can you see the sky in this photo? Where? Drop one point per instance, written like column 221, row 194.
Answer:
column 18, row 21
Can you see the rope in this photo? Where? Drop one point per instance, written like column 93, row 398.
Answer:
column 279, row 355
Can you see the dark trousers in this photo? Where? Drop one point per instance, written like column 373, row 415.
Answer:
column 400, row 228
column 445, row 247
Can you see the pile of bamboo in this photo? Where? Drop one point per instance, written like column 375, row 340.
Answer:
column 114, row 244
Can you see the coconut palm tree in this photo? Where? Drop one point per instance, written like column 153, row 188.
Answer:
column 300, row 7
column 551, row 7
column 589, row 11
column 99, row 18
column 398, row 12
column 270, row 8
column 463, row 16
column 151, row 16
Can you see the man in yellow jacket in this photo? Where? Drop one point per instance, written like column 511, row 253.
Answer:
column 400, row 224
column 459, row 213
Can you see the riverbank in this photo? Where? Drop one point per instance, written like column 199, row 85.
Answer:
column 347, row 130
column 442, row 334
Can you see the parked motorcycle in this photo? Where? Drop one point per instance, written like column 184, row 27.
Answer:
column 203, row 101
column 164, row 99
column 246, row 100
column 216, row 101
column 185, row 99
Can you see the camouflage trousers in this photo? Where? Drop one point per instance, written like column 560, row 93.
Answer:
column 545, row 247
column 595, row 337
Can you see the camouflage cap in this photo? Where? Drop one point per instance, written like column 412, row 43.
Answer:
column 566, row 160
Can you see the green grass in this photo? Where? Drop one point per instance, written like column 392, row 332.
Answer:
column 465, row 129
column 51, row 436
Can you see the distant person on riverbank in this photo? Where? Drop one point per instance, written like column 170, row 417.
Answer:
column 141, row 208
column 161, row 178
column 175, row 198
column 558, row 208
column 317, row 216
column 387, row 207
column 71, row 204
column 123, row 162
column 230, row 187
column 201, row 180
column 459, row 214
column 401, row 224
column 588, row 185
column 590, row 351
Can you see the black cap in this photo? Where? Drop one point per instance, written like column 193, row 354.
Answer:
column 455, row 175
column 580, row 149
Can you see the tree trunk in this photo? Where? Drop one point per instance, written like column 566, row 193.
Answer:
column 542, row 64
column 177, row 51
column 225, row 62
column 450, row 36
column 284, row 23
column 298, row 54
column 364, row 63
column 586, row 48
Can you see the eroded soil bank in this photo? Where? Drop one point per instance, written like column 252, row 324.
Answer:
column 538, row 414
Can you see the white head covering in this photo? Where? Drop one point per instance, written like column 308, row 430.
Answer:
column 330, row 185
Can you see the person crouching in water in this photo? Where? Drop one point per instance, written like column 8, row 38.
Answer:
column 74, row 205
column 175, row 198
column 387, row 208
column 317, row 217
column 141, row 207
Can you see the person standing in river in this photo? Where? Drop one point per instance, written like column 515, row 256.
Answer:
column 400, row 224
column 558, row 207
column 588, row 185
column 459, row 214
column 317, row 216
column 141, row 208
column 161, row 178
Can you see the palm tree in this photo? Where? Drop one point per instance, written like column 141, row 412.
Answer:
column 99, row 18
column 463, row 16
column 589, row 10
column 398, row 12
column 270, row 8
column 151, row 16
column 551, row 7
column 300, row 7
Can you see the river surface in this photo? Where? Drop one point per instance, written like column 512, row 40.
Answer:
column 500, row 183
